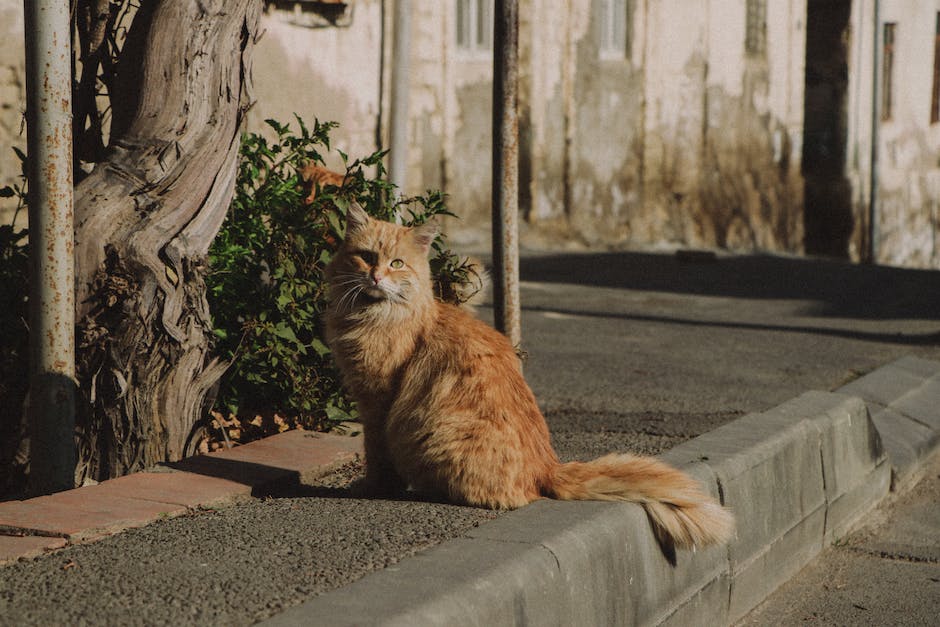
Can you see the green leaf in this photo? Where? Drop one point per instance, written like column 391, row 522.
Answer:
column 338, row 227
column 285, row 332
column 322, row 349
column 335, row 414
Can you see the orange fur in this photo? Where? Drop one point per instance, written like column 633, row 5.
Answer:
column 446, row 410
column 316, row 177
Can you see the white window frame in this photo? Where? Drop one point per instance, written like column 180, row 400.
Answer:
column 614, row 22
column 473, row 28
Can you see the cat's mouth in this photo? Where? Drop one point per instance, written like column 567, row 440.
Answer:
column 376, row 292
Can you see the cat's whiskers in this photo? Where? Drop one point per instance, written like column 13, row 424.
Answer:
column 348, row 299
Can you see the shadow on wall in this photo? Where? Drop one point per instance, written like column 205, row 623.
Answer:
column 839, row 288
column 828, row 220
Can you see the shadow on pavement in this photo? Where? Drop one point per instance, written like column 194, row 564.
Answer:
column 276, row 482
column 841, row 289
column 910, row 339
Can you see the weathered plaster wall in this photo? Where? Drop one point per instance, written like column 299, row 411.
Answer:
column 685, row 140
column 327, row 73
column 749, row 186
column 12, row 99
column 909, row 163
column 546, row 76
column 467, row 81
column 605, row 138
column 907, row 212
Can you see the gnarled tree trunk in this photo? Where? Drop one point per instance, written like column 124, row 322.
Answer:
column 144, row 219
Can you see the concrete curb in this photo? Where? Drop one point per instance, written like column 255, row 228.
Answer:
column 904, row 400
column 31, row 527
column 798, row 477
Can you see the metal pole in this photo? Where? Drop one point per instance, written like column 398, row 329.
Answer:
column 506, row 171
column 875, row 128
column 401, row 53
column 51, row 239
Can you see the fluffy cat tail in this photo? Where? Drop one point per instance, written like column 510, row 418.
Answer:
column 682, row 514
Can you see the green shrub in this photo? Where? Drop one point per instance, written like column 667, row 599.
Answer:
column 265, row 286
column 14, row 329
column 266, row 289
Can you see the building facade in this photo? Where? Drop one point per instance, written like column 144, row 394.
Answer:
column 739, row 124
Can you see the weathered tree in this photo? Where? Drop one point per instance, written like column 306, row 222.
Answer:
column 146, row 215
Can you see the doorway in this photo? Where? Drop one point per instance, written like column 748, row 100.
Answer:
column 827, row 195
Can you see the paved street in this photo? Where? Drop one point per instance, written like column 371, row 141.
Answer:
column 626, row 351
column 630, row 350
column 887, row 573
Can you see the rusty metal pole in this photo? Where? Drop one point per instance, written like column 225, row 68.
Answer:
column 506, row 170
column 51, row 241
column 398, row 108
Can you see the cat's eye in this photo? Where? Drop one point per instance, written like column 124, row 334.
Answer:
column 367, row 256
column 397, row 264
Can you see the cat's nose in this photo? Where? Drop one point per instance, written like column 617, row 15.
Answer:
column 376, row 277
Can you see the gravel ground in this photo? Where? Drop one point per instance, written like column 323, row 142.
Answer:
column 208, row 567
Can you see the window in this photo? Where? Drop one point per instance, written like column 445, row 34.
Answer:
column 755, row 32
column 311, row 13
column 935, row 92
column 887, row 71
column 614, row 28
column 475, row 25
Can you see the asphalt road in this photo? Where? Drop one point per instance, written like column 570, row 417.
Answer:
column 626, row 351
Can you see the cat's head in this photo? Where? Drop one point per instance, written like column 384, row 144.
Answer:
column 381, row 262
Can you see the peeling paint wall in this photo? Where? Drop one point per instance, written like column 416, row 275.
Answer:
column 12, row 99
column 907, row 212
column 750, row 190
column 328, row 73
column 466, row 82
column 685, row 139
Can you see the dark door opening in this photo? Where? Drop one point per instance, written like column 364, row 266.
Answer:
column 827, row 195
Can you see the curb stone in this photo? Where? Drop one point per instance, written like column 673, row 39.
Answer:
column 904, row 400
column 31, row 527
column 798, row 477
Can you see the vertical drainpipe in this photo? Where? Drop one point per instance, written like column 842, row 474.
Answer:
column 401, row 52
column 875, row 127
column 51, row 236
column 379, row 120
column 506, row 170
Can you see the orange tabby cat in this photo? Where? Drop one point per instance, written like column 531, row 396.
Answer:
column 316, row 176
column 445, row 408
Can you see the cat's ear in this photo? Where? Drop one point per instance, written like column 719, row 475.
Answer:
column 424, row 235
column 356, row 217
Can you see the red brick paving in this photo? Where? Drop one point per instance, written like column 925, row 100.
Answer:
column 92, row 512
column 13, row 548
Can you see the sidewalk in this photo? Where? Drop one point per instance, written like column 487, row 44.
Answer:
column 798, row 477
column 29, row 528
column 644, row 362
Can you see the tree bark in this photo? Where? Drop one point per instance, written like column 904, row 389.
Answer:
column 144, row 220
